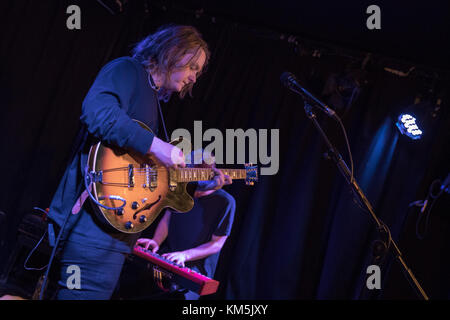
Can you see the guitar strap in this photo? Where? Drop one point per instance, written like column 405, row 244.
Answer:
column 79, row 203
column 162, row 120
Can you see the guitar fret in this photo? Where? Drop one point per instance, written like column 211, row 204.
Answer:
column 202, row 174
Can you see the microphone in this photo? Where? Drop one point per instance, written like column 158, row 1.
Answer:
column 289, row 80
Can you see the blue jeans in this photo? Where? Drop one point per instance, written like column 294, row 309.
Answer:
column 191, row 295
column 99, row 271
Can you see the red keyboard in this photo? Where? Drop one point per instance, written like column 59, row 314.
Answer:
column 183, row 276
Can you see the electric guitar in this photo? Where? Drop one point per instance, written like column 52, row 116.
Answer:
column 129, row 192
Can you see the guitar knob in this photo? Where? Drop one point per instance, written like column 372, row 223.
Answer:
column 129, row 225
column 135, row 205
column 119, row 212
column 142, row 219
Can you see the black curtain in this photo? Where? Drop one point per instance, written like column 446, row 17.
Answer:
column 299, row 234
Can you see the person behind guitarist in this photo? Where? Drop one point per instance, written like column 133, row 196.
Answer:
column 165, row 62
column 194, row 239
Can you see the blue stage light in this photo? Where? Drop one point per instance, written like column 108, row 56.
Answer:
column 407, row 125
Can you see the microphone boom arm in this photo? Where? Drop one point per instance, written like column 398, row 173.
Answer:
column 289, row 80
column 340, row 163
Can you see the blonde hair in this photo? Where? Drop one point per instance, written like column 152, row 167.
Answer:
column 162, row 50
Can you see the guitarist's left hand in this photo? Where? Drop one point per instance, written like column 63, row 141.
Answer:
column 217, row 183
column 221, row 179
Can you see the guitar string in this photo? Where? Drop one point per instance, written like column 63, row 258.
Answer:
column 143, row 177
column 165, row 170
column 155, row 173
column 178, row 170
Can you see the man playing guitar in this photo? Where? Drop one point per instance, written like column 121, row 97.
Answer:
column 167, row 61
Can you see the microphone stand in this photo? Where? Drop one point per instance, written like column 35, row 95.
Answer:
column 337, row 159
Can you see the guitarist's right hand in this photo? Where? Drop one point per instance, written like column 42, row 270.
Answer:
column 168, row 155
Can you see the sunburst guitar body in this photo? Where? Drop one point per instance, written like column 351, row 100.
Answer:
column 129, row 191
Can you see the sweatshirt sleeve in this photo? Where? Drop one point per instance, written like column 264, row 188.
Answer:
column 105, row 107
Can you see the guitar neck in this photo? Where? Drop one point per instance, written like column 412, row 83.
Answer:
column 202, row 174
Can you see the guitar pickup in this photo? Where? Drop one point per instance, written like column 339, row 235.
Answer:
column 130, row 176
column 153, row 180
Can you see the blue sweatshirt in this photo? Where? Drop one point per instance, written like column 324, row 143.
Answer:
column 121, row 92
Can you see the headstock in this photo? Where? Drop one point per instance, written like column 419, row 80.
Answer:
column 251, row 174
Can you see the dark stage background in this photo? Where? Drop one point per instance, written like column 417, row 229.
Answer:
column 297, row 234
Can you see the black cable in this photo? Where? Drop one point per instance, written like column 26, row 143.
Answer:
column 383, row 226
column 44, row 283
column 162, row 120
column 37, row 245
column 106, row 7
column 336, row 117
column 348, row 146
column 427, row 213
column 31, row 253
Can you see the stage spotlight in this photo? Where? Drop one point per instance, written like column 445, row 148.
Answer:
column 407, row 125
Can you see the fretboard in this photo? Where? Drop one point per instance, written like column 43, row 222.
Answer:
column 201, row 174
